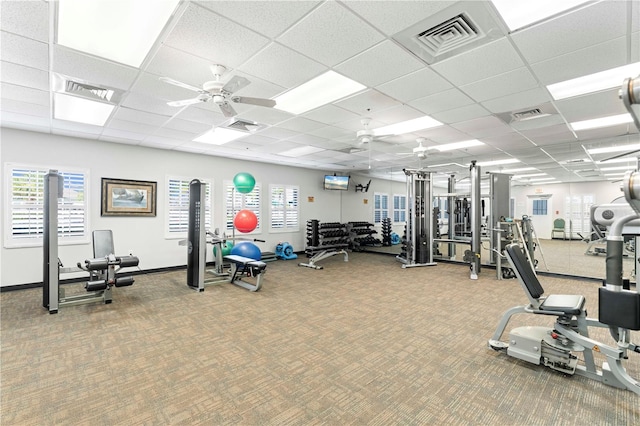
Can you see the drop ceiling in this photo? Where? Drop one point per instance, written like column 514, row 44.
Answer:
column 474, row 89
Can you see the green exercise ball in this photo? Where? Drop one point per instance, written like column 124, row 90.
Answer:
column 244, row 182
column 226, row 248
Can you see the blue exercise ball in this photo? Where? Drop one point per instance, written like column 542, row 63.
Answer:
column 247, row 249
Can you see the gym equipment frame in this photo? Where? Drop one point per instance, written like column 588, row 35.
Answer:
column 196, row 251
column 619, row 310
column 102, row 269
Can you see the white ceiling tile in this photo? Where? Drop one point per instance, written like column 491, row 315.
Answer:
column 92, row 69
column 621, row 129
column 24, row 122
column 394, row 16
column 217, row 39
column 461, row 114
column 508, row 141
column 154, row 141
column 416, row 85
column 497, row 57
column 394, row 115
column 483, row 127
column 277, row 133
column 269, row 116
column 187, row 126
column 180, row 65
column 268, row 18
column 118, row 136
column 301, row 124
column 10, row 105
column 331, row 132
column 137, row 116
column 593, row 105
column 370, row 67
column 518, row 101
column 344, row 34
column 176, row 134
column 501, row 85
column 24, row 94
column 24, row 51
column 149, row 104
column 443, row 101
column 443, row 134
column 367, row 102
column 566, row 33
column 72, row 128
column 282, row 66
column 331, row 114
column 24, row 76
column 26, row 18
column 592, row 59
column 307, row 139
column 141, row 129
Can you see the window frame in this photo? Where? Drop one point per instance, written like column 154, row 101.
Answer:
column 170, row 235
column 239, row 202
column 380, row 196
column 36, row 239
column 285, row 217
column 402, row 211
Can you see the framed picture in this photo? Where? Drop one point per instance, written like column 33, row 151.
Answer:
column 128, row 197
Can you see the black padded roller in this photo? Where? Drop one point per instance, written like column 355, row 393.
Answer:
column 126, row 261
column 97, row 264
column 124, row 281
column 96, row 285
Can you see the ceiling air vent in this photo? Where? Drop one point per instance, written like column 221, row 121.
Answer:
column 449, row 35
column 528, row 114
column 456, row 29
column 244, row 125
column 76, row 87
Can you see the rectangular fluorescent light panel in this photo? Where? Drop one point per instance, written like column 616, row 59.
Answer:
column 457, row 145
column 408, row 126
column 498, row 162
column 619, row 160
column 528, row 175
column 219, row 136
column 301, row 151
column 122, row 31
column 324, row 89
column 593, row 82
column 608, row 169
column 541, row 179
column 518, row 14
column 80, row 110
column 521, row 169
column 609, row 149
column 612, row 120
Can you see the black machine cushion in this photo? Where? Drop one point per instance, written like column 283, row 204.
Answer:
column 524, row 269
column 567, row 303
column 619, row 308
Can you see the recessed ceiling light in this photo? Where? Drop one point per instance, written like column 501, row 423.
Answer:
column 619, row 160
column 521, row 169
column 408, row 126
column 528, row 175
column 593, row 82
column 518, row 14
column 299, row 152
column 457, row 145
column 498, row 162
column 595, row 123
column 618, row 148
column 80, row 110
column 541, row 179
column 219, row 136
column 322, row 90
column 608, row 169
column 122, row 31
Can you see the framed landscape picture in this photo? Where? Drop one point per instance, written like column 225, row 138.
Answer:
column 128, row 197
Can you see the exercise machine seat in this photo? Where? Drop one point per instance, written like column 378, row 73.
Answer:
column 567, row 304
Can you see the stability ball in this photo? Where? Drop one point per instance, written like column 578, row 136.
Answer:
column 226, row 248
column 247, row 249
column 244, row 182
column 245, row 221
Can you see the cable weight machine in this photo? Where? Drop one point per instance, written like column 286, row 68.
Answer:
column 419, row 232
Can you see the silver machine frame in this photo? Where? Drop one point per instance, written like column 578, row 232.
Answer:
column 103, row 269
column 419, row 236
column 197, row 239
column 619, row 307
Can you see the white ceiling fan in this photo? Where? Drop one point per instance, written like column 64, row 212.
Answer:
column 219, row 92
column 423, row 152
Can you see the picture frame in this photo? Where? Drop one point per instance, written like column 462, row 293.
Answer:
column 122, row 197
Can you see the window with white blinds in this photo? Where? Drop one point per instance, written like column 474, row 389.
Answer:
column 236, row 201
column 399, row 208
column 285, row 212
column 24, row 214
column 177, row 218
column 380, row 207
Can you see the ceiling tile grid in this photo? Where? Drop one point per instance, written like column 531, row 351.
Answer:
column 279, row 45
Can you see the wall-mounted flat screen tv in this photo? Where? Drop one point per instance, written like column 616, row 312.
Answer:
column 340, row 183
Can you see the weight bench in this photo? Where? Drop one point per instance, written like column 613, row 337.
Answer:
column 246, row 267
column 325, row 252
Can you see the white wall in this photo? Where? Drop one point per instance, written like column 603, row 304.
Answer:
column 145, row 236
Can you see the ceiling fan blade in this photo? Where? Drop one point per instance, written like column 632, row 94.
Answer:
column 269, row 103
column 227, row 109
column 186, row 102
column 236, row 83
column 181, row 84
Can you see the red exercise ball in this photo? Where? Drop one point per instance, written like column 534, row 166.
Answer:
column 245, row 221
